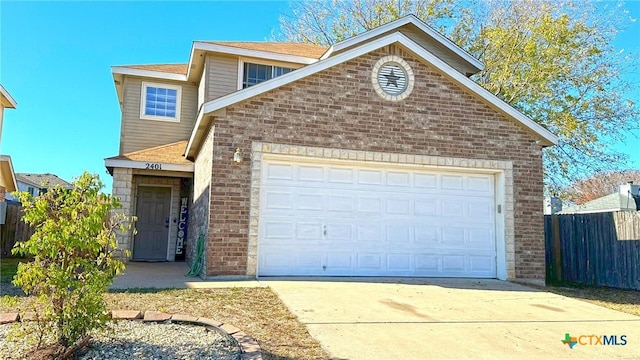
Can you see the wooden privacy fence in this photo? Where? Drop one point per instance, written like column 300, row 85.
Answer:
column 597, row 249
column 13, row 230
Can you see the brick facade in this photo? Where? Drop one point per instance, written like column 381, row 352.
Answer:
column 338, row 109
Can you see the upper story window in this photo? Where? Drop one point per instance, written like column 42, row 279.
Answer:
column 160, row 102
column 256, row 73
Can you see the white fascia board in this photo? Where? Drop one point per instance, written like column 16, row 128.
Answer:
column 12, row 102
column 191, row 57
column 130, row 164
column 327, row 53
column 410, row 19
column 253, row 53
column 398, row 37
column 146, row 73
column 194, row 131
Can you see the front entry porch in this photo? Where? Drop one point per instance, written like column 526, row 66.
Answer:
column 170, row 275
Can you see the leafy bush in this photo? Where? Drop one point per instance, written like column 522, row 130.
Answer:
column 73, row 247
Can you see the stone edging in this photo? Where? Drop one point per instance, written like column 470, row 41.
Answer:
column 249, row 347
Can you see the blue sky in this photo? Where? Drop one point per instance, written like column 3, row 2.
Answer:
column 56, row 58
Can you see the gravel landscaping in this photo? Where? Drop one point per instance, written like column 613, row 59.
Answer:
column 138, row 340
column 256, row 311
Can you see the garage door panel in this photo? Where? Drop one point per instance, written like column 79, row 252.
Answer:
column 399, row 234
column 425, row 181
column 482, row 263
column 427, row 263
column 279, row 200
column 339, row 233
column 339, row 220
column 340, row 203
column 398, row 179
column 340, row 261
column 480, row 184
column 369, row 233
column 309, row 201
column 274, row 229
column 369, row 262
column 481, row 237
column 426, row 235
column 398, row 207
column 279, row 171
column 309, row 230
column 309, row 173
column 370, row 205
column 340, row 175
column 452, row 208
column 426, row 206
column 452, row 182
column 370, row 177
column 480, row 209
column 399, row 262
column 310, row 261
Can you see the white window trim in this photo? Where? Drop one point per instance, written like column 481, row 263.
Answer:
column 242, row 61
column 143, row 101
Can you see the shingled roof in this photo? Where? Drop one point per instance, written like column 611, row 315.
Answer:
column 165, row 68
column 42, row 180
column 285, row 48
column 169, row 154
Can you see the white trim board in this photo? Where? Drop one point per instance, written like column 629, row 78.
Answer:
column 546, row 136
column 147, row 73
column 12, row 102
column 131, row 164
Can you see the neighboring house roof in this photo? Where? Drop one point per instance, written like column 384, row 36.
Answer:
column 42, row 180
column 166, row 155
column 544, row 136
column 295, row 49
column 6, row 99
column 7, row 176
column 611, row 202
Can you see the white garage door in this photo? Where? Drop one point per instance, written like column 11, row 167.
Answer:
column 337, row 220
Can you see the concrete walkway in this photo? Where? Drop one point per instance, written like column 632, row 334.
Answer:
column 452, row 319
column 170, row 275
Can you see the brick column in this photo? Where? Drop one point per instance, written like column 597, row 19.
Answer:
column 123, row 189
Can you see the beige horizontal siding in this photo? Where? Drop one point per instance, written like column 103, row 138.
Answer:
column 137, row 134
column 222, row 76
column 437, row 49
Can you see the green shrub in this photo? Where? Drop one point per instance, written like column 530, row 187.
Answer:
column 73, row 248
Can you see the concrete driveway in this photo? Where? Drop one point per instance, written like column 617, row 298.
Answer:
column 452, row 319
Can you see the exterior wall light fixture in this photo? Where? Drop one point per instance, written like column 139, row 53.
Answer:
column 237, row 156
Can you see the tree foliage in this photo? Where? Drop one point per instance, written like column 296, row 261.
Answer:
column 552, row 60
column 600, row 184
column 73, row 249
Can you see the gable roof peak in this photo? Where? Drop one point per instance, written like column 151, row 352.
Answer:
column 419, row 29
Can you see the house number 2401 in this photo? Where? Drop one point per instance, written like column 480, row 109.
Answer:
column 153, row 166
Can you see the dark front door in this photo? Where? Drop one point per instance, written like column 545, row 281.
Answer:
column 153, row 212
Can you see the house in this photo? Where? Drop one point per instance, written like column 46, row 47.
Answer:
column 7, row 175
column 626, row 199
column 37, row 184
column 377, row 156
